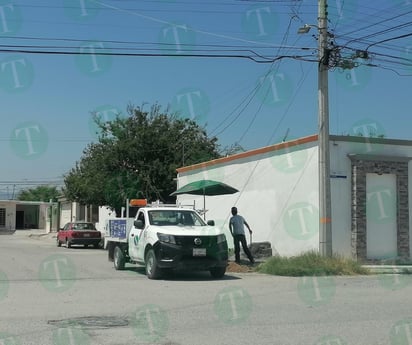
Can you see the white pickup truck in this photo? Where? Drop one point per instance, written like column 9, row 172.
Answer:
column 170, row 238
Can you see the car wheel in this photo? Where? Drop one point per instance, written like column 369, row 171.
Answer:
column 118, row 259
column 218, row 272
column 68, row 244
column 152, row 270
column 59, row 244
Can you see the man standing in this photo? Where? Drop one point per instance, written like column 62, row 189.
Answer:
column 237, row 229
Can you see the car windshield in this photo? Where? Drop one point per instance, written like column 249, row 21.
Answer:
column 175, row 217
column 83, row 226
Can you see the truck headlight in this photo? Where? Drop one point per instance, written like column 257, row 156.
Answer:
column 166, row 238
column 221, row 238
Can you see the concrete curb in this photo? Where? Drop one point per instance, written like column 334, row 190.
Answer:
column 42, row 235
column 7, row 232
column 389, row 269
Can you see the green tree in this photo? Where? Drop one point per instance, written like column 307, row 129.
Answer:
column 40, row 193
column 137, row 157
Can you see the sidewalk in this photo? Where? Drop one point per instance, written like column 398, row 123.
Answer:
column 389, row 269
column 28, row 233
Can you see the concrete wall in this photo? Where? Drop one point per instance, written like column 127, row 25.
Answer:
column 65, row 213
column 376, row 155
column 279, row 190
column 10, row 215
column 105, row 213
column 278, row 196
column 35, row 214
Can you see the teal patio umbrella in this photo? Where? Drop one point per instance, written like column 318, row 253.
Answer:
column 206, row 187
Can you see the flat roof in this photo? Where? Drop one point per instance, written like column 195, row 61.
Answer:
column 22, row 202
column 291, row 143
column 250, row 153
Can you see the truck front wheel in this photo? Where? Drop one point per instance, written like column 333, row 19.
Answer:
column 118, row 259
column 152, row 270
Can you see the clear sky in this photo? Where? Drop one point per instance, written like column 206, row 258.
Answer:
column 251, row 79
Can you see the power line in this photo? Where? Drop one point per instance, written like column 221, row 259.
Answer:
column 258, row 45
column 256, row 59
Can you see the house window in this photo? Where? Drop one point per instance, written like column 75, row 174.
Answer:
column 2, row 217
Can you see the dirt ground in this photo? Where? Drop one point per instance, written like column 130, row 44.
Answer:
column 236, row 268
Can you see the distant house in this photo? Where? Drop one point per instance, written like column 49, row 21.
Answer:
column 48, row 216
column 70, row 211
column 18, row 215
column 279, row 195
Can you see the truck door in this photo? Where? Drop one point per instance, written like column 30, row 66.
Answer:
column 137, row 239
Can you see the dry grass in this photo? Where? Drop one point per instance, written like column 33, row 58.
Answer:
column 311, row 264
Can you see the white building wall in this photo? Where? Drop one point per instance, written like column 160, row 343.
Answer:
column 10, row 215
column 279, row 192
column 105, row 213
column 278, row 197
column 65, row 213
column 341, row 196
column 44, row 217
column 341, row 185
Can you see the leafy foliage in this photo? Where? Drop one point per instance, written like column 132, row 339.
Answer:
column 137, row 157
column 40, row 193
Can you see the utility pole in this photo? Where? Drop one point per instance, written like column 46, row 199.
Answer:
column 325, row 216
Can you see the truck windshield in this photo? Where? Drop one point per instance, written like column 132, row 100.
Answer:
column 175, row 217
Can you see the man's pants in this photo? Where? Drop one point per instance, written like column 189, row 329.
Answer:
column 241, row 239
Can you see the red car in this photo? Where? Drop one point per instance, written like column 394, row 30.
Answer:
column 83, row 233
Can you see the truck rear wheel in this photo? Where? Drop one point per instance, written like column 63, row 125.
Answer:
column 152, row 270
column 118, row 259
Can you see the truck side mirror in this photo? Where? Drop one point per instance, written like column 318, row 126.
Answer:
column 138, row 224
column 211, row 222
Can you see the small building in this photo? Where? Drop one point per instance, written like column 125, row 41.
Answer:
column 49, row 216
column 19, row 215
column 70, row 211
column 279, row 195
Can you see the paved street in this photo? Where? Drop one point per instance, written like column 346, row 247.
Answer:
column 60, row 296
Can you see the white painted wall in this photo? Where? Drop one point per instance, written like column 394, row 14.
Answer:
column 65, row 213
column 278, row 197
column 279, row 193
column 341, row 187
column 44, row 220
column 105, row 213
column 10, row 214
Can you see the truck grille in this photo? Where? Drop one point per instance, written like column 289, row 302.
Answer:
column 189, row 241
